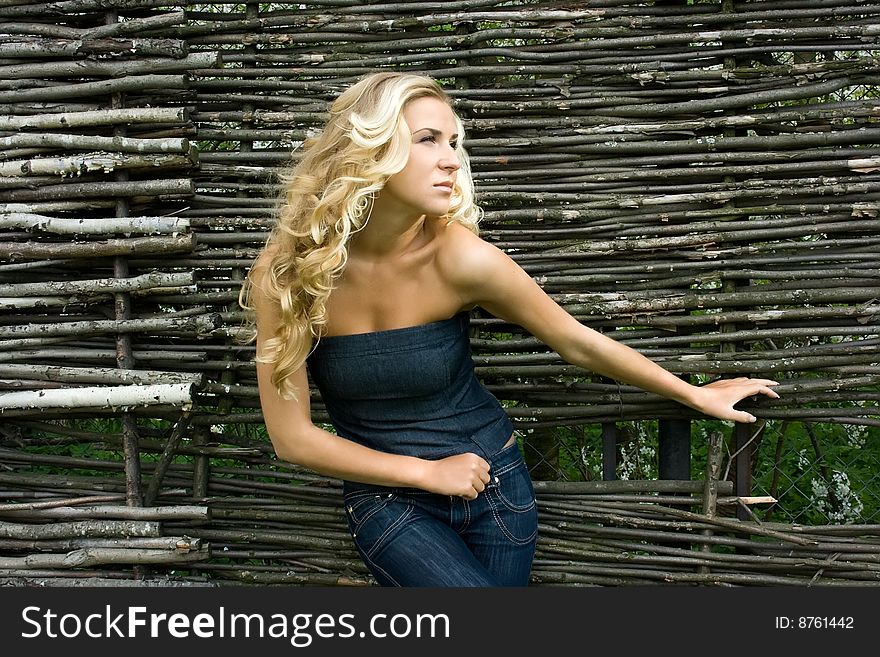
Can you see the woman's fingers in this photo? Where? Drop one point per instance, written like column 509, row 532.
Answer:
column 770, row 392
column 764, row 386
column 723, row 394
column 745, row 387
column 480, row 477
column 463, row 475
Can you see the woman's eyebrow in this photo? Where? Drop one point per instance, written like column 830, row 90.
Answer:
column 435, row 132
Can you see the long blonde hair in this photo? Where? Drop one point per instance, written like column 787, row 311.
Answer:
column 327, row 197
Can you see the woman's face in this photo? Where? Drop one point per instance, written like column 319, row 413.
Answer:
column 424, row 185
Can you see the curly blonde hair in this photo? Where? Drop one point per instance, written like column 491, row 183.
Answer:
column 326, row 198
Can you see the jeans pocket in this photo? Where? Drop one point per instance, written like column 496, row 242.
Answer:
column 373, row 519
column 512, row 499
column 360, row 506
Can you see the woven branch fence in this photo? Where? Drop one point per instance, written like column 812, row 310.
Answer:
column 698, row 180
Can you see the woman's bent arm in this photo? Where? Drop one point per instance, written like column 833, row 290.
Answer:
column 298, row 440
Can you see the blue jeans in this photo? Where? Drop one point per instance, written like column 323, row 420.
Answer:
column 410, row 537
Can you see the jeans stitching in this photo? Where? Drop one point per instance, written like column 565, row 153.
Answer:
column 503, row 527
column 381, row 540
column 467, row 517
column 497, row 530
column 373, row 564
column 504, row 469
column 384, row 501
column 515, row 508
column 493, row 490
column 507, row 467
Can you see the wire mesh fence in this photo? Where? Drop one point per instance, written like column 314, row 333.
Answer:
column 817, row 473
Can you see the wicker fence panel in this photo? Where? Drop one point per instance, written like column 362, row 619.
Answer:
column 697, row 180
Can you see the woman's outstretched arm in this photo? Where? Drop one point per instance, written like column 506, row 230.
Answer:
column 484, row 275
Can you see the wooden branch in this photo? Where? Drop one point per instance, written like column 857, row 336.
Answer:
column 181, row 544
column 15, row 251
column 100, row 285
column 168, row 453
column 75, row 578
column 98, row 397
column 24, row 47
column 98, row 375
column 88, row 557
column 199, row 324
column 52, row 504
column 134, row 25
column 87, row 89
column 82, row 68
column 90, row 528
column 57, row 206
column 81, row 165
column 66, row 7
column 47, row 302
column 629, row 486
column 160, row 188
column 68, row 120
column 91, row 226
column 121, row 512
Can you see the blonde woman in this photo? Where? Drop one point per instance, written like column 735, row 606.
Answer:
column 365, row 284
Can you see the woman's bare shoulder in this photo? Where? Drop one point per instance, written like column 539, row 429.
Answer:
column 456, row 239
column 462, row 255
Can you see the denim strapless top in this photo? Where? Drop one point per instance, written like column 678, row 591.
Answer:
column 409, row 391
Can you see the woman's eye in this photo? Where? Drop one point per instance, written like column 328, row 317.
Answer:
column 453, row 144
column 428, row 138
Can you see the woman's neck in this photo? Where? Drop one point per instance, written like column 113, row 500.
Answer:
column 384, row 239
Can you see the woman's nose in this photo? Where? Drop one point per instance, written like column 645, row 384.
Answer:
column 450, row 162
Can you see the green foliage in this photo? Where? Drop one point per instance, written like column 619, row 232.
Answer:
column 820, row 474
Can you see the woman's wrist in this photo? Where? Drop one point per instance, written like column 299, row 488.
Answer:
column 692, row 396
column 417, row 472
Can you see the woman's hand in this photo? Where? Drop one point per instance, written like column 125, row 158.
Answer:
column 462, row 475
column 717, row 398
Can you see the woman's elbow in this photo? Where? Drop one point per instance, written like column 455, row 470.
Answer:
column 288, row 447
column 576, row 354
column 284, row 452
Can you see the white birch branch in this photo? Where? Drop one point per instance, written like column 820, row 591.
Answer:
column 96, row 143
column 68, row 226
column 129, row 116
column 121, row 397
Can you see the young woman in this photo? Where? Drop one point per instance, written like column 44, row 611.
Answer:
column 366, row 281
